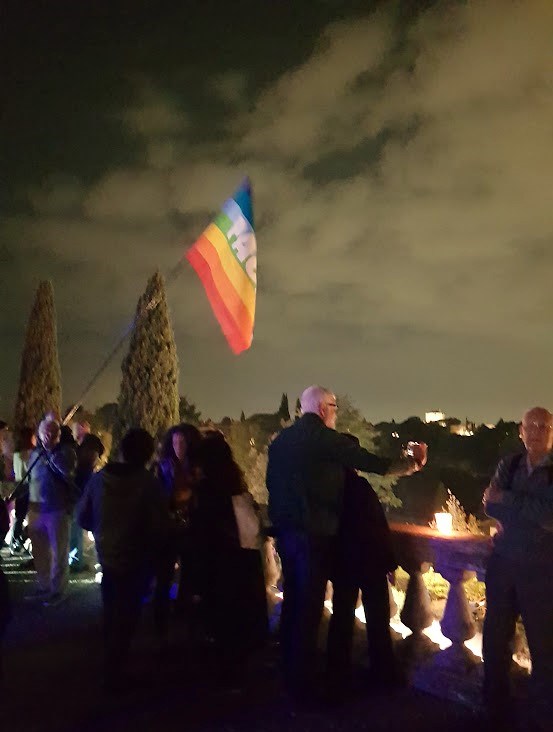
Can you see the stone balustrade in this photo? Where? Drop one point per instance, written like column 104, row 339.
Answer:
column 454, row 672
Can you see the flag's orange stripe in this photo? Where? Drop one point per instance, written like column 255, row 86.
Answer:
column 236, row 339
column 228, row 293
column 233, row 270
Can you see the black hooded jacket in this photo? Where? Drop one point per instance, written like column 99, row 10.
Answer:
column 124, row 508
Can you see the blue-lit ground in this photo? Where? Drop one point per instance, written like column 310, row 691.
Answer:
column 52, row 660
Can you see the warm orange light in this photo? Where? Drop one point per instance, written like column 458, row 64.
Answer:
column 444, row 523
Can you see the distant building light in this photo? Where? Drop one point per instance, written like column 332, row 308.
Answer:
column 462, row 430
column 434, row 417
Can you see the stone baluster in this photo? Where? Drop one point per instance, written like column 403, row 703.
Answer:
column 396, row 637
column 455, row 672
column 416, row 613
column 457, row 623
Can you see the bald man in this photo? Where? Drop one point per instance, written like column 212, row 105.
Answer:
column 519, row 577
column 305, row 480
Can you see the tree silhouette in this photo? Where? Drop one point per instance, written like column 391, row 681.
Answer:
column 284, row 410
column 149, row 395
column 352, row 421
column 188, row 412
column 39, row 380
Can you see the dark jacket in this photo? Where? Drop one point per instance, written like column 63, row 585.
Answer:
column 364, row 540
column 525, row 513
column 305, row 475
column 124, row 508
column 51, row 480
column 215, row 528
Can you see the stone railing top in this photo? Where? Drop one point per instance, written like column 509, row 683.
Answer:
column 416, row 544
column 426, row 532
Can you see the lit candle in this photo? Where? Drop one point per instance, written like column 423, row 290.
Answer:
column 444, row 523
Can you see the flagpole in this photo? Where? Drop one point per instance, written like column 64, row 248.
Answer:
column 151, row 305
column 78, row 404
column 242, row 308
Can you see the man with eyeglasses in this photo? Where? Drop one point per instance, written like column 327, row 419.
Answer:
column 519, row 576
column 305, row 480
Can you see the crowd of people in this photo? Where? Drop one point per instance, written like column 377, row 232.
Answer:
column 186, row 504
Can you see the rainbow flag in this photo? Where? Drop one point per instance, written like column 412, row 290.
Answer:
column 225, row 260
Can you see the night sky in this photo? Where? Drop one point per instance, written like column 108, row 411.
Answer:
column 401, row 157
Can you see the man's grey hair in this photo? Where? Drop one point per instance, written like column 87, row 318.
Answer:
column 312, row 398
column 46, row 421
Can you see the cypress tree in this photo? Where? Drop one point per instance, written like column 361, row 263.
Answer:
column 149, row 395
column 39, row 380
column 188, row 412
column 284, row 410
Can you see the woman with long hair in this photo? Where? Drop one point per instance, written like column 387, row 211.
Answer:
column 177, row 472
column 227, row 527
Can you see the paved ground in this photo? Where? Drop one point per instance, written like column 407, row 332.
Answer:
column 52, row 659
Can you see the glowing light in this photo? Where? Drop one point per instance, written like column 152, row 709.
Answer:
column 359, row 611
column 523, row 662
column 434, row 417
column 444, row 522
column 474, row 644
column 399, row 627
column 434, row 632
column 90, row 536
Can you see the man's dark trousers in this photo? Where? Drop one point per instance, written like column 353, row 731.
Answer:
column 513, row 588
column 376, row 605
column 306, row 566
